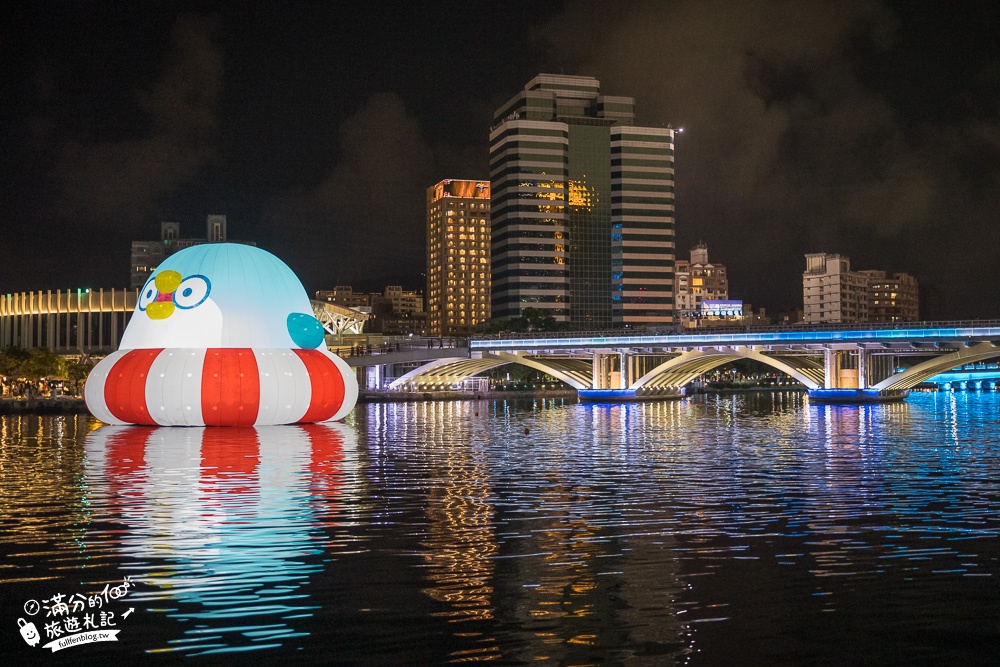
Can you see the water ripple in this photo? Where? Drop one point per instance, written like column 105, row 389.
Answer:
column 520, row 531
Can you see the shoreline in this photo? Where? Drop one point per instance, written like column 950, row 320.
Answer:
column 414, row 396
column 68, row 405
column 76, row 405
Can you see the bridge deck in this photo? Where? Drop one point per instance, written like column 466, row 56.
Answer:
column 906, row 336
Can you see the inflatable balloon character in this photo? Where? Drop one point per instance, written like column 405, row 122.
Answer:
column 222, row 335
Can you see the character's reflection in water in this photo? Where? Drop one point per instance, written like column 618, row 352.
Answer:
column 223, row 525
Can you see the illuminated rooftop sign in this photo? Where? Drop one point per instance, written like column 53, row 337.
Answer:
column 465, row 189
column 721, row 308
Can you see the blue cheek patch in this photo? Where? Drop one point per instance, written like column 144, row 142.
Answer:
column 305, row 330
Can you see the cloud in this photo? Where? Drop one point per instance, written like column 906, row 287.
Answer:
column 384, row 160
column 790, row 144
column 368, row 211
column 124, row 178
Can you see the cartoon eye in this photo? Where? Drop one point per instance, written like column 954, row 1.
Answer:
column 192, row 291
column 148, row 295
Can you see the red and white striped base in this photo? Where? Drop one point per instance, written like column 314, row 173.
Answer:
column 220, row 387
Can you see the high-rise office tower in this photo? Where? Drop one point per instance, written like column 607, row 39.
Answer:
column 582, row 207
column 458, row 256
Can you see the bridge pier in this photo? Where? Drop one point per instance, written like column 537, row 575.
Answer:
column 628, row 395
column 610, row 370
column 613, row 372
column 847, row 378
column 857, row 395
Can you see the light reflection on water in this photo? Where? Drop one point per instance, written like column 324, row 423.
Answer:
column 743, row 529
column 221, row 524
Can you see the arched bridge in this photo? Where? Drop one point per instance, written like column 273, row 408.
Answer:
column 835, row 364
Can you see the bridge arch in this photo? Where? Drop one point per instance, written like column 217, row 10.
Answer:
column 687, row 366
column 914, row 375
column 448, row 372
column 578, row 372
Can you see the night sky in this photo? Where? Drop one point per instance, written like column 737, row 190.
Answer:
column 871, row 129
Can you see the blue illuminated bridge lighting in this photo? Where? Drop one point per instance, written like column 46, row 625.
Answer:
column 801, row 337
column 835, row 363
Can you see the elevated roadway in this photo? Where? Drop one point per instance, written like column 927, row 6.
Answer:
column 836, row 364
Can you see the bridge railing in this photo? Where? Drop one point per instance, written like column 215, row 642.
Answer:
column 771, row 328
column 401, row 344
column 413, row 343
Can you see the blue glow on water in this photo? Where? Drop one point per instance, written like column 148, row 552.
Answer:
column 845, row 395
column 966, row 376
column 715, row 529
column 607, row 394
column 220, row 525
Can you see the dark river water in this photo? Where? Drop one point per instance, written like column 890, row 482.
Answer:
column 717, row 530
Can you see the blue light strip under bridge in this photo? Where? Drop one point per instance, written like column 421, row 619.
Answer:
column 746, row 338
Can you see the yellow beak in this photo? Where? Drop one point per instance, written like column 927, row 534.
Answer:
column 160, row 310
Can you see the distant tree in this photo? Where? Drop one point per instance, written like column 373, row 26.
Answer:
column 497, row 325
column 31, row 366
column 13, row 361
column 43, row 363
column 530, row 320
column 78, row 372
column 536, row 319
column 516, row 376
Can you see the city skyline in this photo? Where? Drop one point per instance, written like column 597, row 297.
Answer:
column 865, row 129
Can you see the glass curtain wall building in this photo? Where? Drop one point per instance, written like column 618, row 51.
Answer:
column 582, row 207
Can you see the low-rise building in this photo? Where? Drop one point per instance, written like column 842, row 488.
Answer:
column 344, row 295
column 833, row 293
column 697, row 280
column 892, row 298
column 395, row 311
column 147, row 255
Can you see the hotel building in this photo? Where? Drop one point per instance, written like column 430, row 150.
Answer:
column 458, row 256
column 583, row 207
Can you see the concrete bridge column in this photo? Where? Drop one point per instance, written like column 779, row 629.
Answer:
column 373, row 377
column 850, row 385
column 612, row 370
column 637, row 366
column 831, row 369
column 880, row 366
column 100, row 319
column 602, row 366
